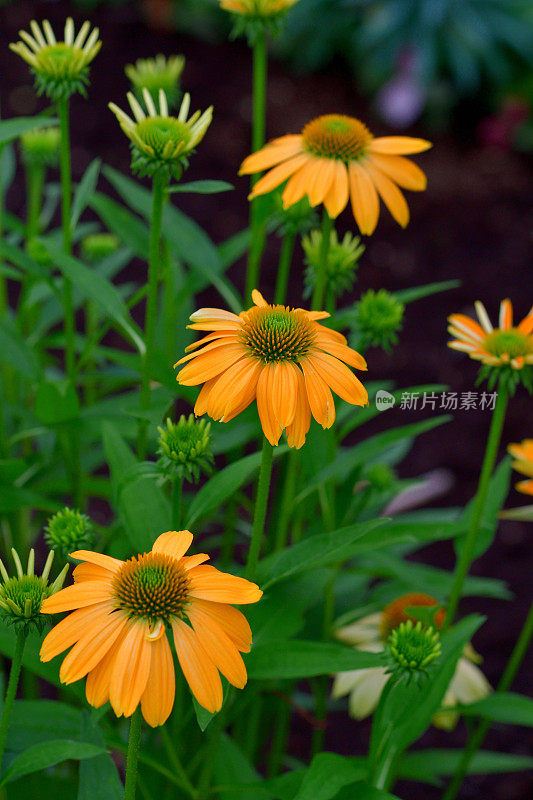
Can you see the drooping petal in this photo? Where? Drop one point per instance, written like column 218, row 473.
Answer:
column 297, row 430
column 99, row 678
column 389, row 193
column 265, row 408
column 339, row 378
column 321, row 180
column 69, row 630
column 398, row 145
column 270, row 155
column 284, row 392
column 231, row 620
column 131, row 668
column 402, row 171
column 338, row 193
column 92, row 646
column 275, row 176
column 319, row 395
column 101, row 560
column 198, row 669
column 90, row 572
column 343, row 352
column 365, row 204
column 158, row 698
column 218, row 646
column 79, row 595
column 208, row 583
column 230, row 386
column 208, row 366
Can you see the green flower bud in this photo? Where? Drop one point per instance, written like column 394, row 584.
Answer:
column 381, row 476
column 98, row 246
column 341, row 263
column 22, row 595
column 157, row 73
column 412, row 648
column 40, row 147
column 185, row 448
column 378, row 319
column 295, row 220
column 255, row 17
column 68, row 530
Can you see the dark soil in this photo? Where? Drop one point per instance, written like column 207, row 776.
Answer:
column 474, row 223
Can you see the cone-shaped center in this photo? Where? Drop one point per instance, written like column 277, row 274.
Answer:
column 511, row 342
column 159, row 132
column 152, row 586
column 336, row 136
column 276, row 333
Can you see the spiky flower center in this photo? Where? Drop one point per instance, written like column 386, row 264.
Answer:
column 277, row 333
column 60, row 60
column 413, row 647
column 163, row 135
column 511, row 343
column 395, row 613
column 152, row 586
column 336, row 136
column 26, row 592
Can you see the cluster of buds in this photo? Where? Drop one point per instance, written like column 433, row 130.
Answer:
column 156, row 74
column 185, row 448
column 40, row 147
column 341, row 262
column 21, row 596
column 67, row 531
column 378, row 319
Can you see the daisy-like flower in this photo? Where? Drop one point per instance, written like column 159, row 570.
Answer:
column 280, row 356
column 371, row 633
column 120, row 614
column 505, row 346
column 336, row 158
column 523, row 455
column 258, row 9
column 60, row 68
column 160, row 142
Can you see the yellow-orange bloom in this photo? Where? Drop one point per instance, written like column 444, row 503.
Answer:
column 117, row 631
column 523, row 455
column 336, row 158
column 280, row 356
column 496, row 347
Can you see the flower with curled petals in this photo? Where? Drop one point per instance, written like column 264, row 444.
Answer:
column 336, row 158
column 282, row 357
column 118, row 628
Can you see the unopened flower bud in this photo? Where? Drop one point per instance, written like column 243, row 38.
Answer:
column 185, row 448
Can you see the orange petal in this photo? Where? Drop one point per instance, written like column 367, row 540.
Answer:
column 398, row 145
column 526, row 326
column 300, row 182
column 467, row 327
column 200, row 407
column 90, row 572
column 158, row 698
column 337, row 196
column 188, row 562
column 339, row 378
column 69, row 630
column 258, row 298
column 365, row 203
column 98, row 679
column 277, row 175
column 173, row 543
column 107, row 562
column 506, row 314
column 231, row 620
column 79, row 595
column 92, row 647
column 264, row 390
column 209, row 338
column 205, row 367
column 230, row 386
column 297, row 431
column 198, row 669
column 218, row 646
column 319, row 395
column 284, row 392
column 222, row 342
column 274, row 152
column 130, row 670
column 208, row 583
column 389, row 193
column 402, row 171
column 244, row 392
column 320, row 180
column 344, row 353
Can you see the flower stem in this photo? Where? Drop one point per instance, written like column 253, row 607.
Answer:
column 285, row 259
column 66, row 199
column 477, row 738
column 134, row 742
column 14, row 676
column 261, row 500
column 320, row 276
column 287, row 499
column 258, row 233
column 177, row 498
column 158, row 197
column 466, row 555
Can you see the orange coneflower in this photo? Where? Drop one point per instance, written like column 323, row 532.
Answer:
column 523, row 455
column 336, row 157
column 121, row 610
column 280, row 356
column 506, row 345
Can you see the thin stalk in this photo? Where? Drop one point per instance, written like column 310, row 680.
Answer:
column 261, row 500
column 287, row 500
column 134, row 742
column 158, row 197
column 285, row 260
column 467, row 552
column 91, row 327
column 477, row 738
column 177, row 503
column 279, row 739
column 66, row 200
column 321, row 275
column 259, row 83
column 14, row 676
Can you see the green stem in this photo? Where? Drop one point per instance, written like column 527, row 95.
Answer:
column 14, row 675
column 279, row 739
column 287, row 500
column 285, row 260
column 158, row 197
column 133, row 754
column 34, row 194
column 91, row 327
column 258, row 233
column 477, row 738
column 466, row 554
column 261, row 500
column 177, row 501
column 66, row 199
column 321, row 274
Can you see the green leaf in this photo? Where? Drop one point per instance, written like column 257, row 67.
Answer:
column 129, row 228
column 99, row 778
column 95, row 287
column 313, row 552
column 144, row 509
column 15, row 351
column 85, row 191
column 30, row 660
column 13, row 128
column 327, row 774
column 507, row 707
column 232, row 769
column 12, row 498
column 201, row 187
column 418, row 292
column 498, row 491
column 221, row 486
column 47, row 754
column 429, row 765
column 56, row 403
column 305, row 659
column 38, row 721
